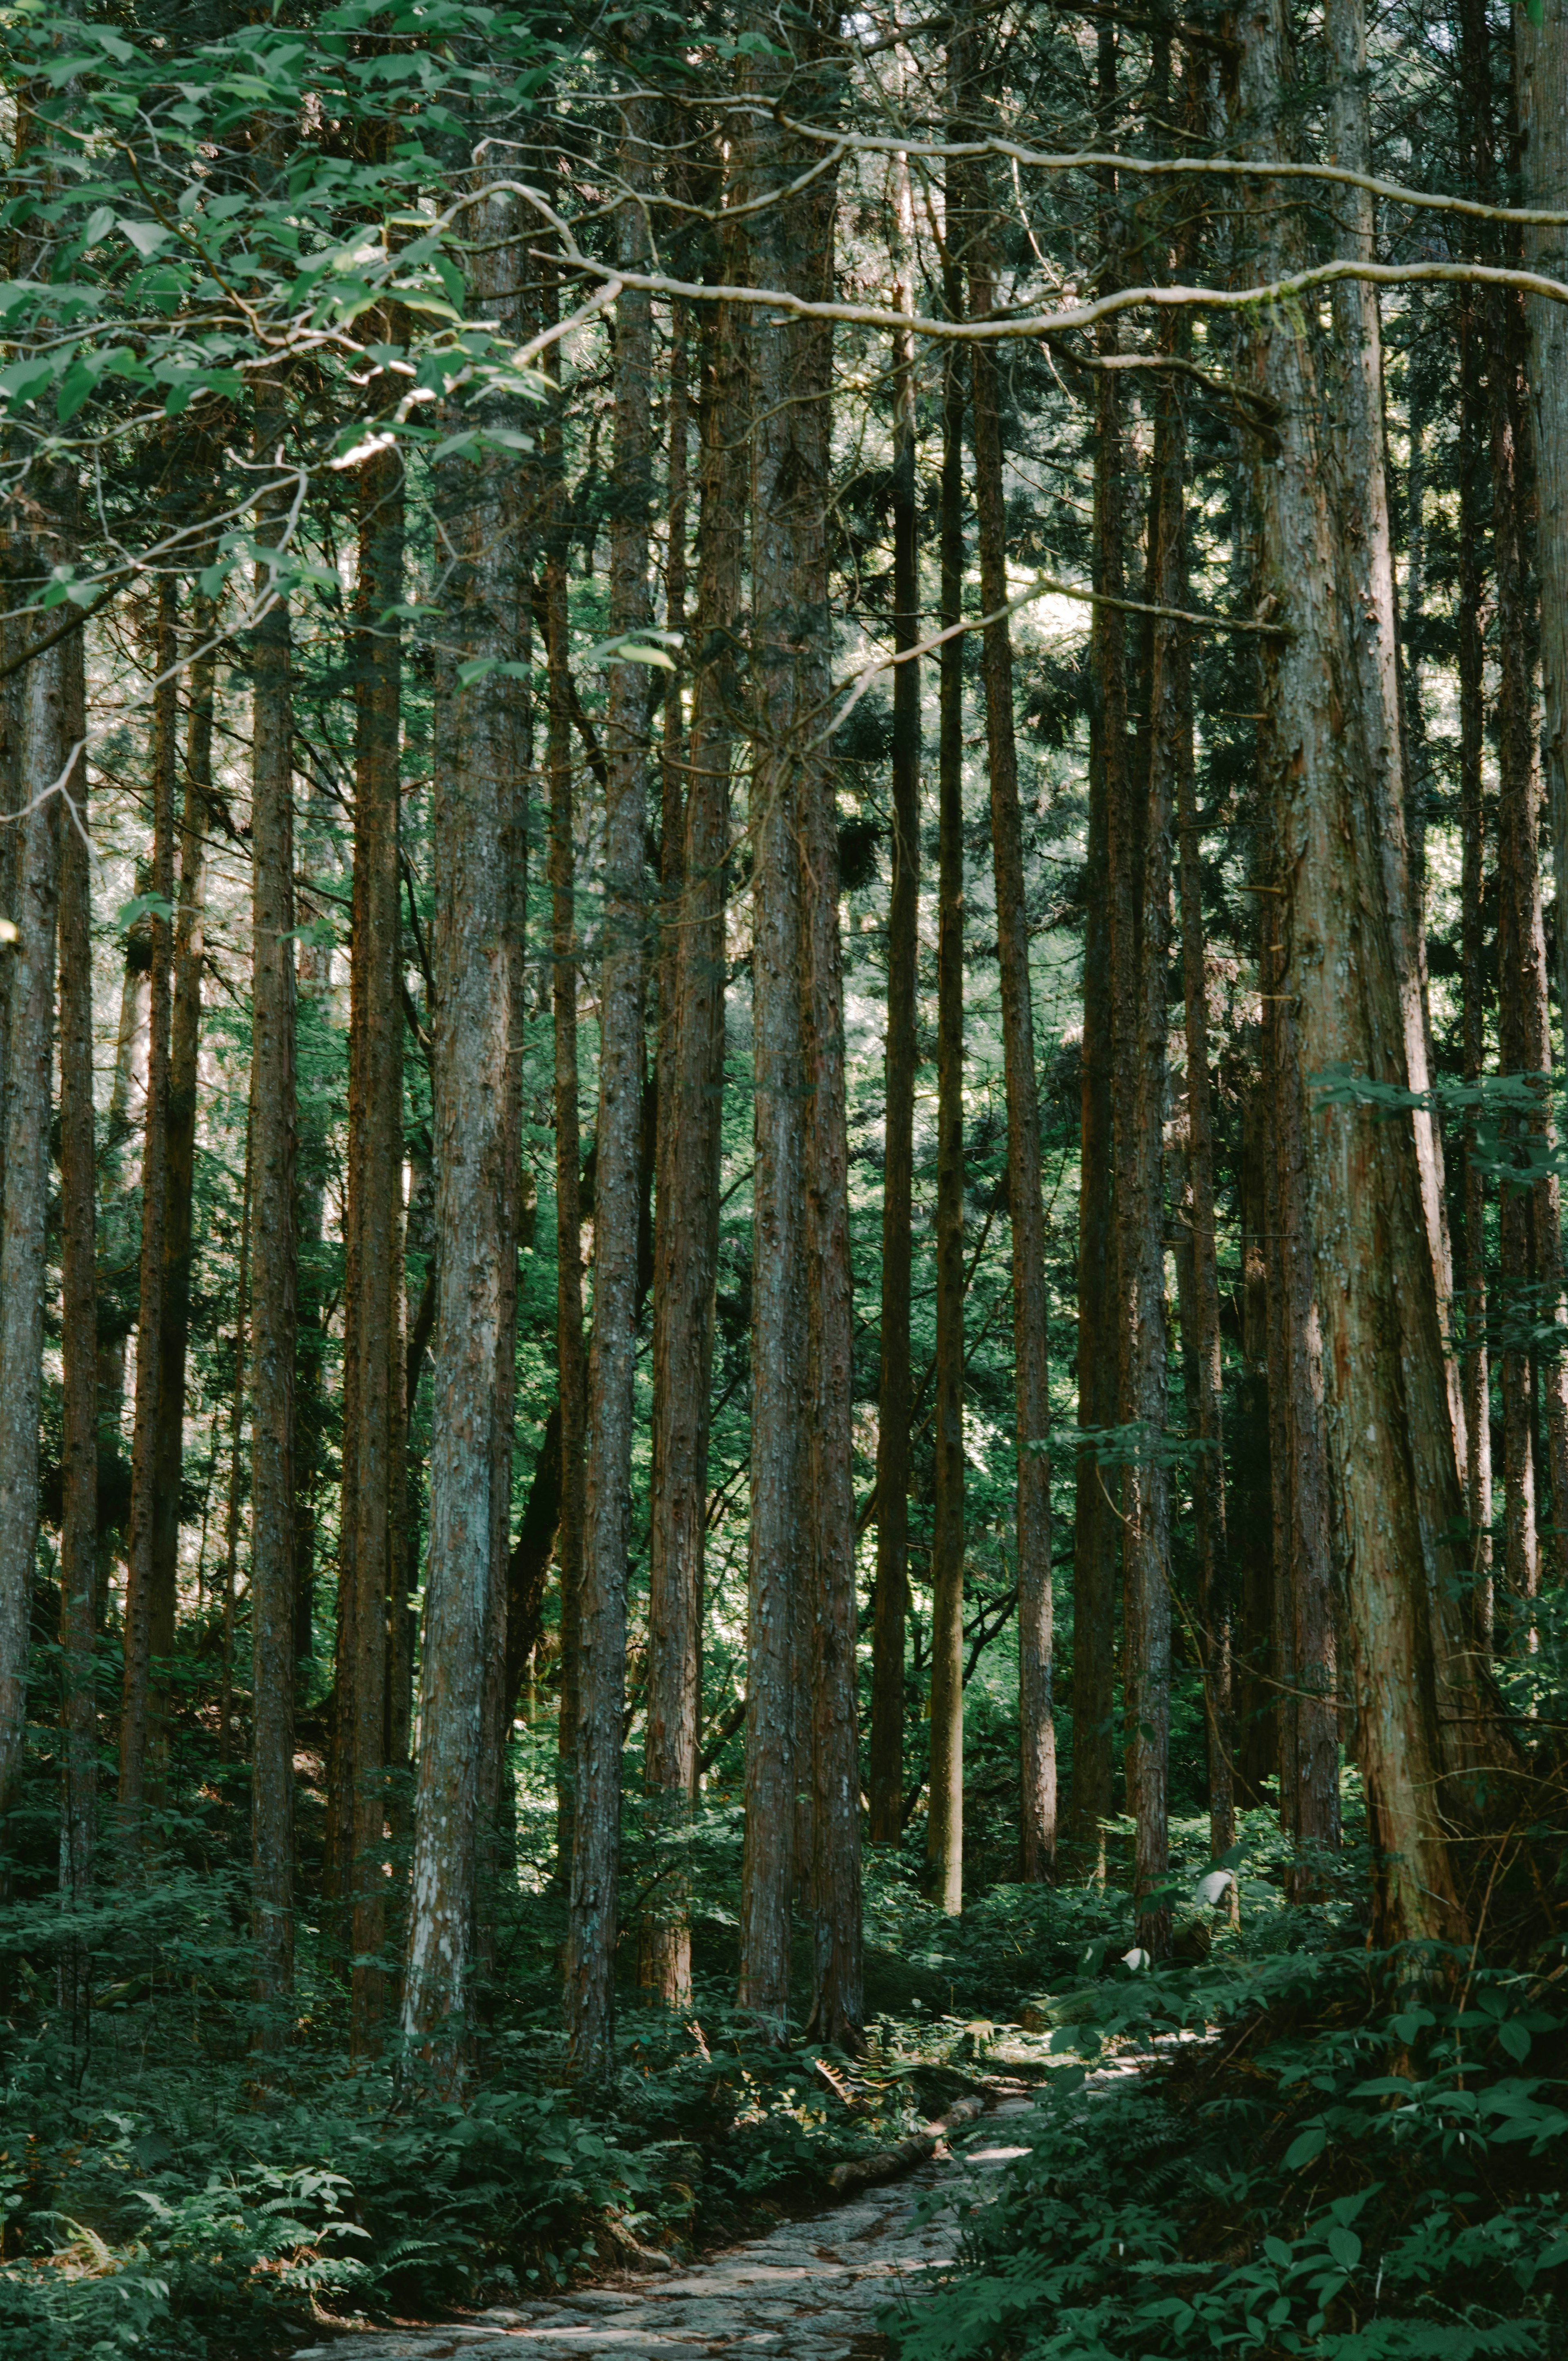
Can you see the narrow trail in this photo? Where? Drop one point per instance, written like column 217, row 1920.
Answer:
column 810, row 2290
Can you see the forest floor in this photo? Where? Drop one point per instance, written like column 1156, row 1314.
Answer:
column 811, row 2289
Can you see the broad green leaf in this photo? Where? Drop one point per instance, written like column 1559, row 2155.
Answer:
column 1305, row 2146
column 146, row 237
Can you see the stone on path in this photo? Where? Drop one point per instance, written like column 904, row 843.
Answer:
column 810, row 2291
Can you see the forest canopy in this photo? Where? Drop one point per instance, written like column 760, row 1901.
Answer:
column 783, row 839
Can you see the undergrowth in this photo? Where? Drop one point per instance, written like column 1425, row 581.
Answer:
column 1353, row 2155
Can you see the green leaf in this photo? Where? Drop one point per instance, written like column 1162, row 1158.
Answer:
column 1535, row 12
column 1514, row 2039
column 1345, row 2247
column 1305, row 2146
column 144, row 905
column 1278, row 2252
column 100, row 222
column 146, row 237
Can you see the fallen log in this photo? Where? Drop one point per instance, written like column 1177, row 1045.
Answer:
column 887, row 2163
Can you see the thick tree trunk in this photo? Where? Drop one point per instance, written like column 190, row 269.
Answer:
column 1140, row 1160
column 474, row 952
column 826, row 1690
column 46, row 741
column 1391, row 1430
column 885, row 1780
column 689, row 1144
column 1096, row 1523
column 373, row 1278
column 780, row 456
column 945, row 1778
column 1530, row 1219
column 149, row 1610
column 1031, row 1367
column 1473, row 833
column 1200, row 1322
column 596, row 1851
column 228, row 1721
column 274, row 1259
column 78, row 1371
column 1540, row 86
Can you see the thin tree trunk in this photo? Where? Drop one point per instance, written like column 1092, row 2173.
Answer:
column 173, row 1327
column 79, row 1408
column 596, row 1851
column 227, row 1730
column 1376, row 1281
column 689, row 1146
column 1032, row 1410
column 373, row 1278
column 886, row 1779
column 149, row 1613
column 46, row 741
column 274, row 1274
column 474, row 952
column 571, row 1363
column 945, row 1778
column 1473, row 832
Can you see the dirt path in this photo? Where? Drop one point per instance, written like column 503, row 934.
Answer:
column 808, row 2291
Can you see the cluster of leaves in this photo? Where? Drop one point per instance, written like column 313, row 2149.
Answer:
column 1351, row 2155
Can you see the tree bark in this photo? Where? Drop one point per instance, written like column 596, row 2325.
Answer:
column 1541, row 87
column 1397, row 1479
column 596, row 1852
column 570, row 1360
column 46, row 742
column 945, row 1777
column 373, row 1278
column 886, row 1779
column 780, row 474
column 1140, row 1160
column 149, row 1610
column 1201, row 1330
column 79, row 1438
column 1031, row 1399
column 173, row 1325
column 690, row 1145
column 826, row 1691
column 474, row 952
column 1472, row 832
column 273, row 1340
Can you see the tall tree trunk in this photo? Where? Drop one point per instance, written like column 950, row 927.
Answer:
column 373, row 1278
column 1530, row 1219
column 596, row 1852
column 689, row 1146
column 173, row 1328
column 474, row 952
column 780, row 473
column 79, row 1437
column 1359, row 451
column 944, row 1787
column 1145, row 1542
column 228, row 1722
column 46, row 741
column 1096, row 1525
column 1202, row 1328
column 1377, row 1290
column 1472, row 832
column 1540, row 86
column 1031, row 1365
column 570, row 1360
column 149, row 1612
column 826, row 1690
column 274, row 1275
column 886, row 1779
